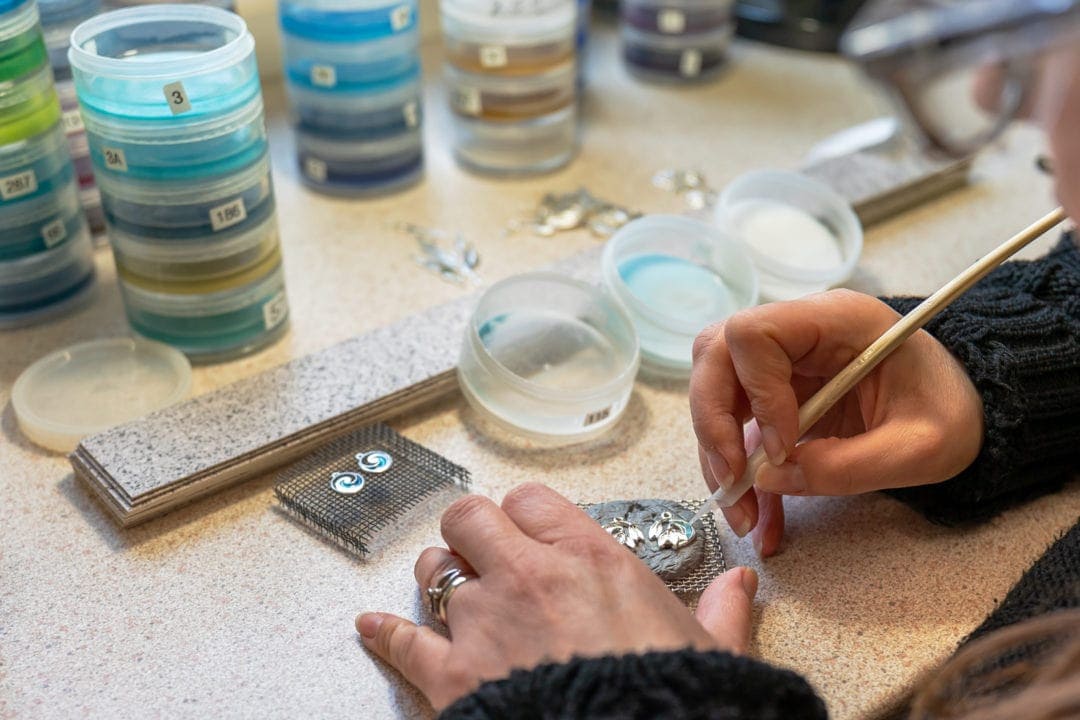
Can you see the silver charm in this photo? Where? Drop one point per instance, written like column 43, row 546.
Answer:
column 374, row 461
column 625, row 532
column 456, row 265
column 691, row 185
column 671, row 532
column 347, row 483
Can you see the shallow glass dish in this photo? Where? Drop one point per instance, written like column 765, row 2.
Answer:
column 549, row 358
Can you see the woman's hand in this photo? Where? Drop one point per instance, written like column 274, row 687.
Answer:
column 549, row 584
column 916, row 419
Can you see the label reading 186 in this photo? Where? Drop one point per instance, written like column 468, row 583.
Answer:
column 15, row 186
column 227, row 215
column 411, row 111
column 72, row 121
column 177, row 97
column 690, row 63
column 54, row 233
column 493, row 56
column 114, row 159
column 400, row 17
column 275, row 310
column 323, row 76
column 671, row 21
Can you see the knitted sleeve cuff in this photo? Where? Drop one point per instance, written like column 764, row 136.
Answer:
column 684, row 684
column 1018, row 334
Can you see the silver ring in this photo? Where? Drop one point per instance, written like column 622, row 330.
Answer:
column 445, row 585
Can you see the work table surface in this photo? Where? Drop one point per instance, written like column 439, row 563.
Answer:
column 227, row 608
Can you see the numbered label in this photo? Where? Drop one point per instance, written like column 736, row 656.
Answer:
column 72, row 121
column 177, row 98
column 690, row 63
column 493, row 56
column 467, row 101
column 227, row 215
column 411, row 112
column 275, row 310
column 323, row 76
column 671, row 21
column 400, row 17
column 597, row 416
column 54, row 233
column 15, row 186
column 315, row 169
column 114, row 159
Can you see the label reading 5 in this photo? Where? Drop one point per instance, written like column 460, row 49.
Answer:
column 400, row 17
column 493, row 56
column 411, row 111
column 72, row 122
column 323, row 76
column 227, row 215
column 690, row 63
column 114, row 159
column 275, row 310
column 177, row 97
column 15, row 186
column 54, row 233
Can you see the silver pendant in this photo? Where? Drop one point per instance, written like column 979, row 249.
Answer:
column 374, row 461
column 671, row 532
column 347, row 483
column 625, row 532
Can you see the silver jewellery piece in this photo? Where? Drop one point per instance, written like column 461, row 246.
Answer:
column 625, row 532
column 374, row 461
column 445, row 585
column 456, row 264
column 671, row 532
column 347, row 483
column 691, row 185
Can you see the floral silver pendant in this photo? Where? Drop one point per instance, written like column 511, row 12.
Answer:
column 670, row 532
column 625, row 532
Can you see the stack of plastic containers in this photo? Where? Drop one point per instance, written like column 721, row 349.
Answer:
column 510, row 68
column 174, row 116
column 676, row 40
column 46, row 259
column 352, row 72
column 58, row 19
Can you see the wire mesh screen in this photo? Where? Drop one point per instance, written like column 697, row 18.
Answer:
column 356, row 489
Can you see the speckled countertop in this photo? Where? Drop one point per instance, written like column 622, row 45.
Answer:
column 227, row 609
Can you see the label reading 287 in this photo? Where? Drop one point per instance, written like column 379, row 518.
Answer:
column 177, row 97
column 15, row 186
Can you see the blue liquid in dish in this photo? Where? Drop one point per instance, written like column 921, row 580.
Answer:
column 678, row 288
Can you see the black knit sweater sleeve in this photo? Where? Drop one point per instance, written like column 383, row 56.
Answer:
column 684, row 684
column 1018, row 334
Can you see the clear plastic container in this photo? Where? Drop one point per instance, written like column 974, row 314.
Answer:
column 801, row 235
column 676, row 276
column 198, row 267
column 360, row 167
column 499, row 97
column 214, row 326
column 22, row 47
column 29, row 107
column 348, row 21
column 182, row 211
column 34, row 168
column 549, row 357
column 36, row 286
column 675, row 58
column 58, row 19
column 492, row 36
column 377, row 110
column 40, row 224
column 522, row 147
column 677, row 17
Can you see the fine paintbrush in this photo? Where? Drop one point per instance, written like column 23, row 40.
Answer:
column 816, row 407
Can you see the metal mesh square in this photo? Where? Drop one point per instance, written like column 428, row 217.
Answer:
column 357, row 521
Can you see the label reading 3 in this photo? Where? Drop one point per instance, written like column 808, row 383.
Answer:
column 15, row 186
column 177, row 97
column 690, row 63
column 114, row 159
column 54, row 233
column 411, row 111
column 227, row 215
column 275, row 310
column 493, row 56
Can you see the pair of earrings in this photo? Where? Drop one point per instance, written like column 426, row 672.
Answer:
column 667, row 531
column 350, row 482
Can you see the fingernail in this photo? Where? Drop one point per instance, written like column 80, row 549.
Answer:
column 786, row 480
column 738, row 519
column 774, row 446
column 721, row 472
column 749, row 581
column 368, row 624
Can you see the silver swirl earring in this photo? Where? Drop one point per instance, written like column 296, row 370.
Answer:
column 347, row 483
column 374, row 461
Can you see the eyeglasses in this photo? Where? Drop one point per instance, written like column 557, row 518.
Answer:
column 961, row 69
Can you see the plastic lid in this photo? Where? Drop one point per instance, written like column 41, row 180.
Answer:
column 95, row 385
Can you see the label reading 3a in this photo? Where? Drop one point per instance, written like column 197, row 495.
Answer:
column 177, row 97
column 227, row 215
column 72, row 121
column 411, row 111
column 114, row 159
column 467, row 100
column 400, row 17
column 275, row 310
column 15, row 186
column 54, row 233
column 690, row 63
column 323, row 76
column 493, row 56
